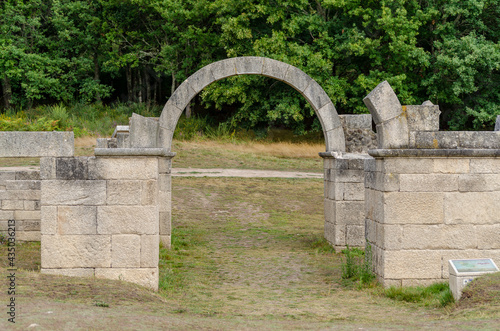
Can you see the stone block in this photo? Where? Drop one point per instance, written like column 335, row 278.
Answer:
column 101, row 143
column 428, row 182
column 393, row 133
column 274, row 69
column 413, row 208
column 439, row 237
column 297, row 79
column 389, row 236
column 126, row 168
column 434, row 140
column 77, row 251
column 329, row 210
column 7, row 175
column 329, row 229
column 125, row 251
column 471, row 208
column 20, row 195
column 201, row 79
column 143, row 132
column 31, row 204
column 72, row 168
column 166, row 241
column 28, row 236
column 12, row 185
column 382, row 182
column 165, row 137
column 406, row 165
column 361, row 121
column 223, row 69
column 147, row 277
column 149, row 191
column 350, row 176
column 124, row 192
column 370, row 231
column 318, row 98
column 48, row 168
column 477, row 139
column 150, row 251
column 164, row 201
column 383, row 103
column 28, row 175
column 335, row 140
column 26, row 215
column 374, row 205
column 479, row 182
column 414, row 264
column 350, row 212
column 127, row 220
column 36, row 144
column 48, row 220
column 168, row 119
column 12, row 204
column 76, row 220
column 355, row 235
column 73, row 192
column 488, row 236
column 75, row 272
column 249, row 65
column 497, row 123
column 485, row 165
column 354, row 191
column 423, row 117
column 123, row 140
column 328, row 117
column 182, row 95
column 164, row 165
column 451, row 165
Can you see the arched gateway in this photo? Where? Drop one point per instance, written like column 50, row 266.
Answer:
column 249, row 65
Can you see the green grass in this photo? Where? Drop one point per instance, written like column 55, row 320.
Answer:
column 434, row 295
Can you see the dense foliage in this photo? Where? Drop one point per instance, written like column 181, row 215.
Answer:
column 139, row 51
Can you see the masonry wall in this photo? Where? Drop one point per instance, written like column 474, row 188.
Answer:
column 100, row 217
column 422, row 211
column 20, row 201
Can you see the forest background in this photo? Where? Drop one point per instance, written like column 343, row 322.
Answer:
column 98, row 57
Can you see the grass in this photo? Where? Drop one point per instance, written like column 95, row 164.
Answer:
column 247, row 254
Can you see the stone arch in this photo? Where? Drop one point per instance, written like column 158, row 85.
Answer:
column 251, row 65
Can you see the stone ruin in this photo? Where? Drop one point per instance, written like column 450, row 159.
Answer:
column 416, row 195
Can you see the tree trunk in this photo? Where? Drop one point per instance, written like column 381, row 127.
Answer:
column 129, row 84
column 173, row 84
column 97, row 76
column 139, row 85
column 7, row 92
column 148, row 87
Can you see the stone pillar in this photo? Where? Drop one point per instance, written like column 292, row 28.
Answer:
column 165, row 199
column 100, row 217
column 425, row 207
column 344, row 199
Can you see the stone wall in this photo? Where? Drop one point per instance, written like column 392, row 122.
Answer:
column 424, row 210
column 20, row 201
column 100, row 217
column 36, row 144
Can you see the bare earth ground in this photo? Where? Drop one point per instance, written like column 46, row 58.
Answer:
column 247, row 255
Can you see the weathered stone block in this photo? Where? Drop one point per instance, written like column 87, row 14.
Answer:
column 476, row 139
column 249, row 65
column 497, row 124
column 143, row 131
column 274, row 69
column 12, row 185
column 48, row 168
column 126, row 168
column 329, row 229
column 370, row 231
column 485, row 165
column 389, row 236
column 328, row 117
column 147, row 277
column 354, row 191
column 335, row 140
column 28, row 175
column 393, row 133
column 28, row 236
column 382, row 182
column 126, row 251
column 36, row 144
column 124, row 192
column 361, row 121
column 406, row 165
column 71, row 168
column 423, row 264
column 74, row 192
column 166, row 241
column 423, row 118
column 77, row 251
column 182, row 95
column 383, row 103
column 413, row 208
column 355, row 235
column 127, row 220
column 76, row 220
column 165, row 223
column 428, row 183
column 76, row 272
column 7, row 175
column 479, row 182
column 433, row 140
column 164, row 201
column 6, row 215
column 297, row 79
column 150, row 251
column 488, row 236
column 149, row 191
column 349, row 176
column 318, row 98
column 439, row 237
column 27, row 215
column 201, row 79
column 451, row 165
column 471, row 208
column 165, row 137
column 223, row 69
column 31, row 204
column 48, row 220
column 168, row 120
column 12, row 204
column 164, row 165
column 350, row 212
column 374, row 205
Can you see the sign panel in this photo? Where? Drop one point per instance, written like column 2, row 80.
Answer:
column 474, row 265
